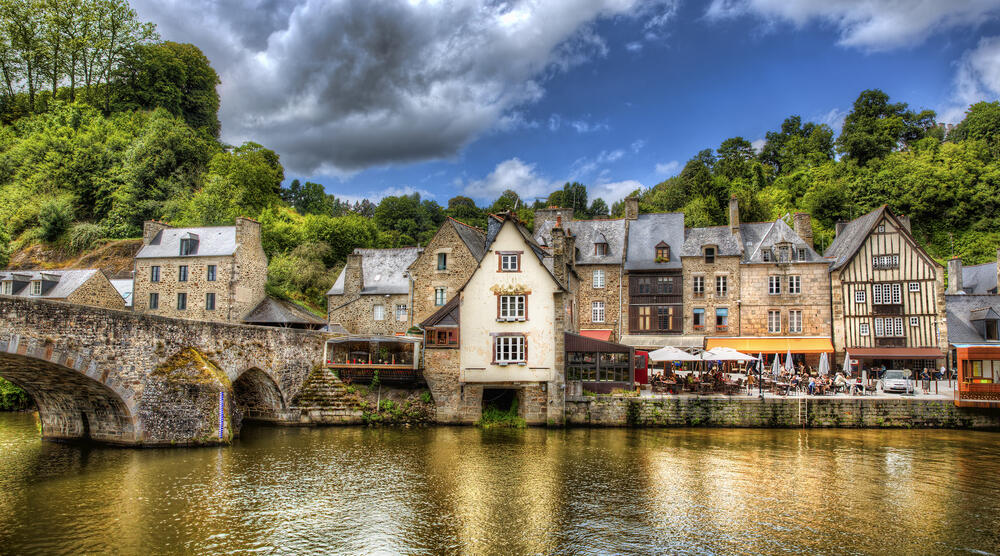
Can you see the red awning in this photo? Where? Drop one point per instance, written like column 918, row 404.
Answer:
column 896, row 353
column 602, row 335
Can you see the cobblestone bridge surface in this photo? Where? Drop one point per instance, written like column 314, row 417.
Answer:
column 121, row 377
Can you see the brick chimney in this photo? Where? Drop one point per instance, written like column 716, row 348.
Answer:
column 734, row 215
column 353, row 278
column 150, row 228
column 552, row 214
column 954, row 276
column 631, row 208
column 804, row 227
column 839, row 228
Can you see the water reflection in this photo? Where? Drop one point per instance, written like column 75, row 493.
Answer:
column 447, row 490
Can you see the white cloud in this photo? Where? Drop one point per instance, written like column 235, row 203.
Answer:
column 758, row 145
column 634, row 46
column 584, row 167
column 510, row 174
column 977, row 79
column 668, row 168
column 637, row 145
column 866, row 24
column 336, row 86
column 613, row 192
column 833, row 118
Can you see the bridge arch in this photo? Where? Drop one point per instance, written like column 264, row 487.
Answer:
column 258, row 396
column 76, row 398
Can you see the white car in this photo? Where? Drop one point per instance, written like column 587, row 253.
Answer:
column 897, row 381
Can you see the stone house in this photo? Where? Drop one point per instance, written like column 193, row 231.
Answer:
column 214, row 273
column 887, row 294
column 372, row 293
column 83, row 287
column 443, row 266
column 598, row 248
column 974, row 332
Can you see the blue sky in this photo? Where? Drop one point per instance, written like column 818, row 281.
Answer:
column 471, row 97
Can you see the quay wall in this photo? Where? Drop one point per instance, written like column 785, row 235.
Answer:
column 608, row 411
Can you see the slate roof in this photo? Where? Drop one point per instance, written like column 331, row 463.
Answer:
column 382, row 271
column 763, row 236
column 277, row 311
column 56, row 284
column 849, row 240
column 589, row 232
column 962, row 310
column 448, row 315
column 473, row 238
column 216, row 241
column 980, row 279
column 124, row 287
column 721, row 236
column 645, row 232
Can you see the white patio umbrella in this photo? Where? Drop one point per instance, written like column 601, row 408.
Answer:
column 824, row 364
column 726, row 354
column 847, row 363
column 776, row 367
column 789, row 366
column 670, row 353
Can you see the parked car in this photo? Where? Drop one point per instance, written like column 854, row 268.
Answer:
column 894, row 380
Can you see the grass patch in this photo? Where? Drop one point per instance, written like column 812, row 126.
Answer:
column 494, row 418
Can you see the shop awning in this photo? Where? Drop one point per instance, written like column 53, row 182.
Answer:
column 603, row 335
column 896, row 353
column 651, row 342
column 754, row 345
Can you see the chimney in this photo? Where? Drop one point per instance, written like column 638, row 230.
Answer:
column 150, row 228
column 552, row 214
column 734, row 215
column 954, row 276
column 839, row 228
column 631, row 208
column 905, row 221
column 247, row 231
column 804, row 227
column 559, row 260
column 353, row 279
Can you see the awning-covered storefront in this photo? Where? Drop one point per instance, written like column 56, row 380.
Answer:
column 896, row 353
column 602, row 335
column 651, row 342
column 798, row 344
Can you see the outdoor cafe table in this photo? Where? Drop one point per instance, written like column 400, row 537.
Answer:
column 781, row 386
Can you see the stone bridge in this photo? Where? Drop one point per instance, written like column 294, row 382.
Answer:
column 127, row 378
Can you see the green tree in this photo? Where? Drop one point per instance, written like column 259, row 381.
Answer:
column 875, row 127
column 982, row 121
column 55, row 217
column 598, row 208
column 465, row 210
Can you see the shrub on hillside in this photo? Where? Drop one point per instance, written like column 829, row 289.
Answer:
column 83, row 236
column 55, row 217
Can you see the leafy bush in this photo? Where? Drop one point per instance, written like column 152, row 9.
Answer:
column 55, row 218
column 5, row 249
column 83, row 236
column 12, row 398
column 495, row 418
column 426, row 397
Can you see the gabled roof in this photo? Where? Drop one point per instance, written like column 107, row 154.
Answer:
column 849, row 240
column 727, row 244
column 765, row 236
column 496, row 224
column 983, row 314
column 124, row 287
column 964, row 313
column 645, row 232
column 56, row 284
column 587, row 233
column 216, row 241
column 277, row 311
column 980, row 279
column 472, row 237
column 447, row 315
column 382, row 271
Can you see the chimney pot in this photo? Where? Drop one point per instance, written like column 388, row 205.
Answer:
column 631, row 208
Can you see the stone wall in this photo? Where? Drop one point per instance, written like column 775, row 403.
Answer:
column 611, row 294
column 814, row 301
column 784, row 412
column 357, row 315
column 97, row 292
column 723, row 266
column 427, row 278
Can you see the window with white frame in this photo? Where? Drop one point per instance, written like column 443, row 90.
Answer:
column 509, row 262
column 401, row 312
column 897, row 326
column 378, row 312
column 599, row 278
column 889, row 326
column 794, row 284
column 774, row 285
column 510, row 349
column 182, row 273
column 863, row 329
column 914, row 286
column 36, row 287
column 774, row 322
column 439, row 296
column 597, row 311
column 698, row 284
column 803, row 254
column 879, row 327
column 897, row 293
column 6, row 287
column 882, row 262
column 859, row 296
column 914, row 321
column 512, row 307
column 721, row 286
column 887, row 294
column 795, row 321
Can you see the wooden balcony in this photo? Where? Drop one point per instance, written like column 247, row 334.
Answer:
column 977, row 394
column 387, row 374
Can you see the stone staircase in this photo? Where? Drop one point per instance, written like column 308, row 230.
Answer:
column 324, row 399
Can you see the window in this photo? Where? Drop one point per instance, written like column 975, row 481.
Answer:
column 795, row 285
column 765, row 255
column 645, row 321
column 401, row 312
column 154, row 301
column 721, row 286
column 182, row 273
column 859, row 296
column 447, row 337
column 882, row 262
column 601, row 249
column 509, row 262
column 879, row 327
column 888, row 326
column 6, row 287
column 664, row 284
column 784, row 254
column 709, row 255
column 698, row 283
column 510, row 349
column 898, row 328
column 914, row 286
column 662, row 253
column 182, row 301
column 863, row 329
column 597, row 311
column 378, row 312
column 442, row 261
column 209, row 301
column 598, row 278
column 774, row 285
column 210, row 273
column 512, row 307
column 803, row 254
column 187, row 246
column 795, row 321
column 897, row 293
column 914, row 321
column 154, row 274
column 774, row 322
column 887, row 294
column 439, row 296
column 663, row 317
column 721, row 319
column 36, row 287
column 699, row 319
column 991, row 329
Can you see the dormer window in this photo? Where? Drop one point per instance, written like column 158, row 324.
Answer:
column 36, row 287
column 802, row 254
column 784, row 253
column 601, row 249
column 662, row 252
column 189, row 244
column 765, row 255
column 6, row 287
column 709, row 255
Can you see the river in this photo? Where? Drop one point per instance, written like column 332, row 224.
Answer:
column 463, row 490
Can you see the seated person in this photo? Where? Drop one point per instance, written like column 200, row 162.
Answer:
column 840, row 382
column 812, row 386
